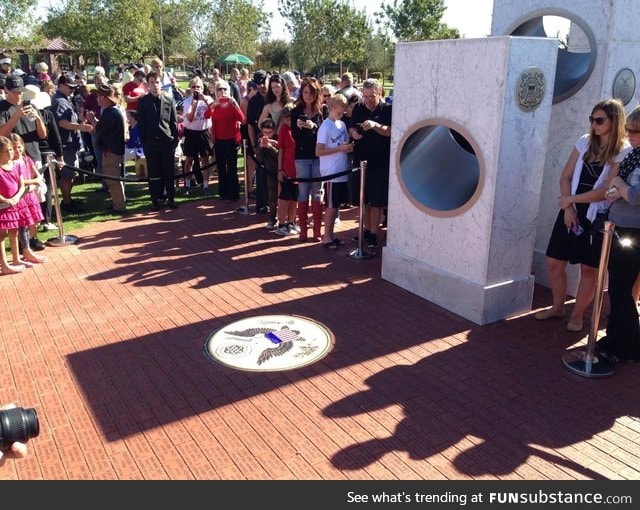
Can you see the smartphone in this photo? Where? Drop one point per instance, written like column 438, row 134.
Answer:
column 303, row 118
column 26, row 102
column 577, row 230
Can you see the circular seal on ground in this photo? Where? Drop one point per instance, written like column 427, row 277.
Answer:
column 269, row 343
column 530, row 89
column 624, row 85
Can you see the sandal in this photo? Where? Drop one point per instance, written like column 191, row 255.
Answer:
column 35, row 260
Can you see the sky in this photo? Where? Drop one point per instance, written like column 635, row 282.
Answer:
column 471, row 17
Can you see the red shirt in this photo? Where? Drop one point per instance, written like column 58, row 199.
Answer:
column 226, row 119
column 133, row 89
column 287, row 145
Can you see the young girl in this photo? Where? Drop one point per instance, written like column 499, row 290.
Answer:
column 288, row 193
column 11, row 189
column 29, row 210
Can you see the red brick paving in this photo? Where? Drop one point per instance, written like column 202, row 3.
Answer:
column 106, row 340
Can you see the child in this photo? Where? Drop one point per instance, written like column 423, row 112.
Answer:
column 11, row 189
column 332, row 148
column 28, row 208
column 288, row 195
column 268, row 155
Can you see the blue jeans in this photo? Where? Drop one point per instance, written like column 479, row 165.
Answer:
column 305, row 169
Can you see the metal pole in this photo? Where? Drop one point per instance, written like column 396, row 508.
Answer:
column 586, row 363
column 360, row 253
column 62, row 239
column 245, row 209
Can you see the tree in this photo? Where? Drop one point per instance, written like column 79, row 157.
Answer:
column 16, row 16
column 237, row 26
column 416, row 20
column 324, row 31
column 275, row 54
column 108, row 27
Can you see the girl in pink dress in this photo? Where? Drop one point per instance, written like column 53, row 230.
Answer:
column 11, row 189
column 29, row 209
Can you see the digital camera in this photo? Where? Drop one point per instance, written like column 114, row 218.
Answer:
column 17, row 424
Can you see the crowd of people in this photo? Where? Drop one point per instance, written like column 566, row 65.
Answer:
column 184, row 137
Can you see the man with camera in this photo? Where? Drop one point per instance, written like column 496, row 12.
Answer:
column 20, row 117
column 197, row 133
column 371, row 130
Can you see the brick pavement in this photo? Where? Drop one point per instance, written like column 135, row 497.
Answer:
column 106, row 339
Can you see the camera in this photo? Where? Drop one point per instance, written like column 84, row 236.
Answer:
column 17, row 424
column 358, row 128
column 303, row 118
column 196, row 95
column 26, row 102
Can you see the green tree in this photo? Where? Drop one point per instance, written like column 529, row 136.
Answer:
column 17, row 17
column 237, row 27
column 416, row 20
column 324, row 31
column 110, row 28
column 275, row 54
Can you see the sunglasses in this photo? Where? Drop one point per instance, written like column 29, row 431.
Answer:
column 196, row 87
column 598, row 120
column 632, row 131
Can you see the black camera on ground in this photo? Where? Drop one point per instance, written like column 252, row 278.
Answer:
column 17, row 424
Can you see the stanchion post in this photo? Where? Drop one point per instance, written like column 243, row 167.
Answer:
column 360, row 253
column 582, row 362
column 62, row 239
column 245, row 208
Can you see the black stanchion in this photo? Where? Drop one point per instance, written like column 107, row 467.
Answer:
column 245, row 208
column 360, row 253
column 62, row 239
column 586, row 363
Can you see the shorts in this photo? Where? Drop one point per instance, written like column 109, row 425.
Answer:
column 582, row 249
column 288, row 190
column 197, row 143
column 376, row 187
column 70, row 158
column 337, row 193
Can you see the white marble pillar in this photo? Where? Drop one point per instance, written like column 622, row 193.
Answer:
column 461, row 227
column 609, row 30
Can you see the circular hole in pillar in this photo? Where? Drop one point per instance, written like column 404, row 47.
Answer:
column 439, row 168
column 576, row 51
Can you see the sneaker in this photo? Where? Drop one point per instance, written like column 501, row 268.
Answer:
column 49, row 226
column 293, row 228
column 372, row 242
column 36, row 244
column 187, row 191
column 272, row 224
column 283, row 230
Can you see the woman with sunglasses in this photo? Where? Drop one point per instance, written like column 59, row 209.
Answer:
column 622, row 342
column 583, row 184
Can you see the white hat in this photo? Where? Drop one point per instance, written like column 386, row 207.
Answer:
column 39, row 100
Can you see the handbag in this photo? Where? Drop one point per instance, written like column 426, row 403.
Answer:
column 597, row 225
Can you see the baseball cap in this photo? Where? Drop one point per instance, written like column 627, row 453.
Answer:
column 14, row 83
column 31, row 80
column 67, row 80
column 18, row 72
column 260, row 77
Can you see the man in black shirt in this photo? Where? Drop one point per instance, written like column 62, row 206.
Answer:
column 254, row 110
column 110, row 138
column 371, row 130
column 158, row 123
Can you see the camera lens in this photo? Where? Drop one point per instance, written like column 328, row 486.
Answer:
column 18, row 424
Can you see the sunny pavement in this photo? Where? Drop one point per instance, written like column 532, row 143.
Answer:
column 106, row 341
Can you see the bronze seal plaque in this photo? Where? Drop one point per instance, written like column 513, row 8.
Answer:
column 269, row 343
column 624, row 85
column 530, row 89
